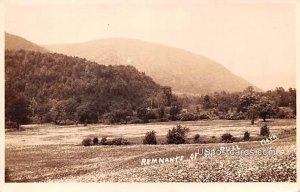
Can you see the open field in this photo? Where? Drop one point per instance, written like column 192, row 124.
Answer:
column 46, row 153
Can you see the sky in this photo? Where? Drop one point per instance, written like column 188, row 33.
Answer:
column 256, row 40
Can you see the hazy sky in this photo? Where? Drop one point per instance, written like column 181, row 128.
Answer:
column 254, row 40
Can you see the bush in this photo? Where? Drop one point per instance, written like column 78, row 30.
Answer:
column 246, row 136
column 95, row 141
column 285, row 113
column 119, row 141
column 177, row 135
column 213, row 139
column 227, row 137
column 151, row 115
column 86, row 142
column 150, row 138
column 235, row 116
column 204, row 117
column 197, row 138
column 188, row 117
column 103, row 141
column 264, row 131
column 281, row 114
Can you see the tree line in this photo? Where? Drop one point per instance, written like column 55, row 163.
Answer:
column 248, row 104
column 55, row 88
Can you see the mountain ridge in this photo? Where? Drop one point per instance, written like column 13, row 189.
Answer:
column 167, row 65
column 14, row 42
column 184, row 71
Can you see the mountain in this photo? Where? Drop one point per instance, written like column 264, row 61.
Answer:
column 13, row 42
column 184, row 71
column 50, row 87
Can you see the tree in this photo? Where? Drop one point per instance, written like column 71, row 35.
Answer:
column 266, row 108
column 16, row 108
column 174, row 111
column 282, row 97
column 223, row 107
column 207, row 103
column 33, row 106
column 252, row 112
column 167, row 95
column 87, row 113
column 58, row 111
column 292, row 100
column 249, row 105
column 142, row 114
column 161, row 112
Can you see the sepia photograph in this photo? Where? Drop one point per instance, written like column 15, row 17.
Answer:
column 150, row 91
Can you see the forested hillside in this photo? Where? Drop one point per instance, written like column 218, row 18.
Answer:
column 47, row 87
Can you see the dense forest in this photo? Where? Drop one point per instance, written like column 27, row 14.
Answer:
column 55, row 88
column 48, row 87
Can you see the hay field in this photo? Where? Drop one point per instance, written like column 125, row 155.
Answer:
column 48, row 153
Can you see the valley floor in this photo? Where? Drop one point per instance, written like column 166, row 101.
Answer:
column 44, row 154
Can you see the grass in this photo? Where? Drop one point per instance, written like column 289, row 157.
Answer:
column 54, row 154
column 52, row 134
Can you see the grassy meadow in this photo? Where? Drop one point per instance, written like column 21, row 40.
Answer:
column 49, row 153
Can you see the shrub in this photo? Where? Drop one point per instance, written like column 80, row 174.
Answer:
column 103, row 141
column 213, row 139
column 264, row 131
column 188, row 117
column 246, row 136
column 150, row 138
column 177, row 135
column 197, row 138
column 204, row 117
column 236, row 116
column 227, row 137
column 151, row 115
column 95, row 141
column 119, row 141
column 86, row 142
